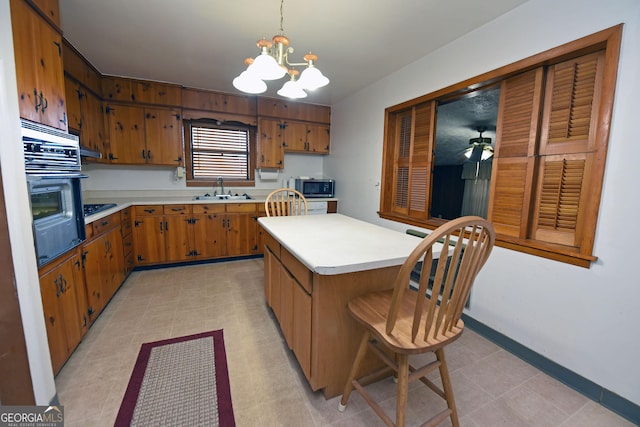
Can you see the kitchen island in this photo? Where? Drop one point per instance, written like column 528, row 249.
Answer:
column 313, row 266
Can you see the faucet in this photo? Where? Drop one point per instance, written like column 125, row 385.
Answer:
column 220, row 182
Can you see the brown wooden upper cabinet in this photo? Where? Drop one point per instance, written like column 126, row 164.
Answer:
column 306, row 138
column 140, row 135
column 51, row 8
column 282, row 109
column 81, row 70
column 140, row 91
column 86, row 115
column 39, row 73
column 270, row 144
column 204, row 100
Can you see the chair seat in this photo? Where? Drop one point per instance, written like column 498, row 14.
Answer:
column 372, row 310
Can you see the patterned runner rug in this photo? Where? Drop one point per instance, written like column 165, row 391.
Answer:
column 179, row 382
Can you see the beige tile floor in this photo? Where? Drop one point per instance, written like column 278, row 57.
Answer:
column 492, row 387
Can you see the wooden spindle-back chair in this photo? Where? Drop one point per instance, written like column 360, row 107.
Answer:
column 414, row 318
column 285, row 202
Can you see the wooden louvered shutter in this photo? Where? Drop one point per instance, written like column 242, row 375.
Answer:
column 567, row 149
column 514, row 161
column 419, row 178
column 411, row 177
column 402, row 153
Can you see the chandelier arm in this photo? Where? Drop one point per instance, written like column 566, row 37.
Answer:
column 295, row 64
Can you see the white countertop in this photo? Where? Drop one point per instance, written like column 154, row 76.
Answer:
column 336, row 244
column 123, row 202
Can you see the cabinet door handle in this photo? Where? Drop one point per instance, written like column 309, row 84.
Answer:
column 59, row 48
column 177, row 209
column 149, row 210
column 57, row 283
column 44, row 103
column 143, row 155
column 36, row 99
column 166, row 225
column 148, row 154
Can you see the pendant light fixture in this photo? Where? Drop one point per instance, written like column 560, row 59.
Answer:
column 480, row 149
column 273, row 63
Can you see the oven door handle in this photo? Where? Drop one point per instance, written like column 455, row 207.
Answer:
column 41, row 176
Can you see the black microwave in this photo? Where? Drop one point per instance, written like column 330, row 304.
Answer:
column 316, row 188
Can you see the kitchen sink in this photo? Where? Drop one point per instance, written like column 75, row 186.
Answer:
column 223, row 197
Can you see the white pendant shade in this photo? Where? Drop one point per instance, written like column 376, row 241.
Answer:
column 311, row 78
column 265, row 67
column 292, row 89
column 479, row 153
column 249, row 83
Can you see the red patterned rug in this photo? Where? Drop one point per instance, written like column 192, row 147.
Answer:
column 179, row 382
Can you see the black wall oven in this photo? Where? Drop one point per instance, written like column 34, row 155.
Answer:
column 52, row 164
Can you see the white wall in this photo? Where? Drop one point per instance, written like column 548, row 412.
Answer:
column 158, row 178
column 587, row 320
column 19, row 220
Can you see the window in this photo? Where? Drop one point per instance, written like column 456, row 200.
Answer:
column 220, row 150
column 551, row 141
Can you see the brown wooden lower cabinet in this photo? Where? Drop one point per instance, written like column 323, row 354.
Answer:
column 103, row 259
column 179, row 233
column 62, row 292
column 311, row 311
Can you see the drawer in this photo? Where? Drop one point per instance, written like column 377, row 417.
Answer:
column 125, row 223
column 125, row 214
column 297, row 269
column 129, row 263
column 271, row 243
column 177, row 209
column 88, row 230
column 211, row 208
column 146, row 210
column 241, row 207
column 127, row 245
column 261, row 209
column 106, row 223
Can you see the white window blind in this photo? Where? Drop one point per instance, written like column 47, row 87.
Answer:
column 219, row 151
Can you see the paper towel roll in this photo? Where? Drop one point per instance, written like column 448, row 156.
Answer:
column 269, row 174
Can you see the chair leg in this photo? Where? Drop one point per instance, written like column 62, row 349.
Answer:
column 403, row 389
column 348, row 387
column 446, row 385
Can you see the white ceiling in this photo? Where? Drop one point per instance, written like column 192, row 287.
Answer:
column 202, row 43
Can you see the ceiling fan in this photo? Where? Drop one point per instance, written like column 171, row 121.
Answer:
column 480, row 148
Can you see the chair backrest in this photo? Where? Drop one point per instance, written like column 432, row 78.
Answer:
column 450, row 277
column 285, row 202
